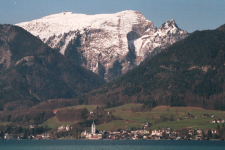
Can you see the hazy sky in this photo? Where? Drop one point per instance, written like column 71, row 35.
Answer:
column 189, row 15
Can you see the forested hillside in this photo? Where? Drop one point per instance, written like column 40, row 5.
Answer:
column 31, row 72
column 188, row 73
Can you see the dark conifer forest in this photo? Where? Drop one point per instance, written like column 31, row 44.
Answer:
column 191, row 72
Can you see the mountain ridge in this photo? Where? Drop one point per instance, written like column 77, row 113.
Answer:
column 107, row 44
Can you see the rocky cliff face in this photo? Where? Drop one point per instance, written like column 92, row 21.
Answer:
column 107, row 44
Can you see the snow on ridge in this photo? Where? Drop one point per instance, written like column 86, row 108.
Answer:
column 55, row 25
column 66, row 21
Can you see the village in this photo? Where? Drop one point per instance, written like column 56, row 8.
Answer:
column 134, row 134
column 161, row 133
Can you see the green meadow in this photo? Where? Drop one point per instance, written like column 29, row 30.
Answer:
column 131, row 119
column 53, row 123
column 135, row 119
column 117, row 124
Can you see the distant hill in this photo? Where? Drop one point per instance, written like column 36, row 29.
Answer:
column 221, row 28
column 190, row 72
column 31, row 72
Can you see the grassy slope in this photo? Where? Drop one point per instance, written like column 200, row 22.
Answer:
column 116, row 124
column 198, row 122
column 134, row 119
column 53, row 123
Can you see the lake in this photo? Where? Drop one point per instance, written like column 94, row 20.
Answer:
column 110, row 145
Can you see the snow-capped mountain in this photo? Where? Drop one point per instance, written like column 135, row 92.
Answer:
column 107, row 44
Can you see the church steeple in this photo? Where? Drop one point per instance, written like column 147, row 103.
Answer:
column 93, row 128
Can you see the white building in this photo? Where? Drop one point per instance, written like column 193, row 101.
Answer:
column 63, row 128
column 91, row 133
column 93, row 128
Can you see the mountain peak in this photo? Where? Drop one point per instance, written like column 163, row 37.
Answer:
column 169, row 24
column 170, row 27
column 107, row 44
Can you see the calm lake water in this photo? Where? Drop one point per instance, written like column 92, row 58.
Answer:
column 110, row 145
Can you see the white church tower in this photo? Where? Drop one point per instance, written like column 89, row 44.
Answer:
column 93, row 128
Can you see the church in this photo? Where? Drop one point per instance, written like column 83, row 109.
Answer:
column 91, row 133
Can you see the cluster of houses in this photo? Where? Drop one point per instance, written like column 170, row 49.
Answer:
column 161, row 133
column 122, row 134
column 134, row 134
column 39, row 136
column 64, row 128
column 218, row 121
